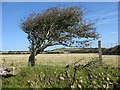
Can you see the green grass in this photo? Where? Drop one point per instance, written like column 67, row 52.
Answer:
column 45, row 76
column 50, row 67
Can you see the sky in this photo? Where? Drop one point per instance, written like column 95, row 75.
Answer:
column 14, row 39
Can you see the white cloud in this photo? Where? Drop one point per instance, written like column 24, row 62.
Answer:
column 109, row 14
column 103, row 14
column 106, row 18
column 113, row 32
column 109, row 21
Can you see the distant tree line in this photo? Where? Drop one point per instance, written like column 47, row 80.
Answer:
column 110, row 51
column 16, row 52
column 105, row 51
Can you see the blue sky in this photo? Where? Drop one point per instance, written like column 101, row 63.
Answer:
column 14, row 39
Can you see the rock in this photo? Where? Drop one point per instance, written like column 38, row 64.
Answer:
column 63, row 75
column 67, row 66
column 95, row 76
column 117, row 77
column 72, row 86
column 108, row 75
column 98, row 86
column 41, row 79
column 9, row 71
column 108, row 86
column 29, row 83
column 79, row 86
column 77, row 78
column 103, row 79
column 102, row 73
column 70, row 79
column 116, row 83
column 107, row 78
column 43, row 75
column 95, row 87
column 91, row 76
column 68, row 75
column 13, row 68
column 62, row 78
column 85, row 82
column 51, row 82
column 54, row 72
column 87, row 77
column 104, row 86
column 94, row 82
column 56, row 76
column 80, row 81
column 111, row 83
column 68, row 71
column 105, row 82
column 80, row 77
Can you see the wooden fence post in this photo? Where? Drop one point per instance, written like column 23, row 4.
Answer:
column 100, row 52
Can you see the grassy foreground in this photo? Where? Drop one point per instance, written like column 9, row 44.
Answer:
column 45, row 76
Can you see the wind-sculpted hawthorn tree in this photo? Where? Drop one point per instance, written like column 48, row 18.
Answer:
column 58, row 25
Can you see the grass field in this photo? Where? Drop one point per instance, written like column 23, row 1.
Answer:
column 50, row 72
column 45, row 76
column 57, row 59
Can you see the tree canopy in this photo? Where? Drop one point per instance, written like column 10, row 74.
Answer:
column 59, row 25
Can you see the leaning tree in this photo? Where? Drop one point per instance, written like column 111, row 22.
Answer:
column 58, row 25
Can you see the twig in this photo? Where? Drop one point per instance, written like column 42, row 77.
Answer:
column 77, row 67
column 77, row 61
column 89, row 64
column 74, row 63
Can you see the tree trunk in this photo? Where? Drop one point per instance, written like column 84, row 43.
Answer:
column 33, row 57
column 31, row 61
